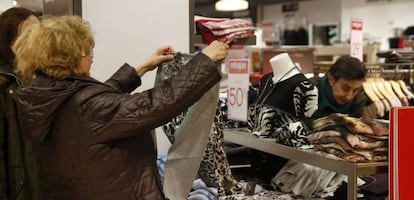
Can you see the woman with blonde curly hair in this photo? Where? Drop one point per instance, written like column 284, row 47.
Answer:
column 55, row 46
column 94, row 139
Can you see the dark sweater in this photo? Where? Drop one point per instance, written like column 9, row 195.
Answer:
column 282, row 94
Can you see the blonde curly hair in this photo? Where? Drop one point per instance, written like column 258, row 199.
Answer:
column 54, row 46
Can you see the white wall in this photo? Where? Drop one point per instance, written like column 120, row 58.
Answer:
column 5, row 4
column 130, row 30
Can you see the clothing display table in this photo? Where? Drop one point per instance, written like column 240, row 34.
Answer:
column 352, row 170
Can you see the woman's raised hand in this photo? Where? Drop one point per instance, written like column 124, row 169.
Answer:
column 216, row 51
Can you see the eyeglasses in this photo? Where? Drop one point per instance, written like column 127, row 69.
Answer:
column 90, row 53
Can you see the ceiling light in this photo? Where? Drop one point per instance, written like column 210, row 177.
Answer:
column 231, row 5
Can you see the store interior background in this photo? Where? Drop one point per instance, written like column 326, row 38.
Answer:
column 380, row 17
column 129, row 30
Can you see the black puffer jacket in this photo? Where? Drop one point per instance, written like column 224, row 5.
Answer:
column 94, row 139
column 19, row 171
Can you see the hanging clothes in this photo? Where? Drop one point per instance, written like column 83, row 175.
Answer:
column 190, row 139
column 186, row 153
column 215, row 169
column 210, row 162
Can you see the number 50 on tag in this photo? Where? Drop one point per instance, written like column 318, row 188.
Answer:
column 238, row 85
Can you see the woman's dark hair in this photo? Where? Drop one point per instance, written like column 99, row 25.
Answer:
column 349, row 68
column 10, row 22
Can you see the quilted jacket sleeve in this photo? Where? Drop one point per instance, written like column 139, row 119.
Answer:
column 115, row 115
column 125, row 79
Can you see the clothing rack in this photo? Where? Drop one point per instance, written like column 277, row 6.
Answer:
column 388, row 85
column 388, row 71
column 392, row 71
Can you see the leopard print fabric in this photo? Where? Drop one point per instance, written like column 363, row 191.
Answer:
column 170, row 128
column 214, row 168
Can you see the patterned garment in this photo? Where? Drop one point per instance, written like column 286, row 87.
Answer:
column 170, row 128
column 226, row 30
column 265, row 195
column 261, row 121
column 356, row 139
column 294, row 134
column 225, row 24
column 214, row 168
column 305, row 99
column 276, row 123
column 170, row 68
column 190, row 140
column 165, row 71
column 270, row 122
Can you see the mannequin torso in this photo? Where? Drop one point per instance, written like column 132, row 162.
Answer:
column 283, row 67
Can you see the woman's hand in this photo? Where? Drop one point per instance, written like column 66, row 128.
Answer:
column 216, row 51
column 162, row 54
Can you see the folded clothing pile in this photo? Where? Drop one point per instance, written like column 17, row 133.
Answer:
column 224, row 30
column 351, row 139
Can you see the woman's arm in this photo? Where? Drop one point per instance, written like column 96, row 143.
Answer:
column 126, row 115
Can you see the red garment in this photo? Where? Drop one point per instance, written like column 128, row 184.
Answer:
column 227, row 30
column 225, row 24
column 221, row 32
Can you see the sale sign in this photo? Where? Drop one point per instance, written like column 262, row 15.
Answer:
column 237, row 87
column 357, row 39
